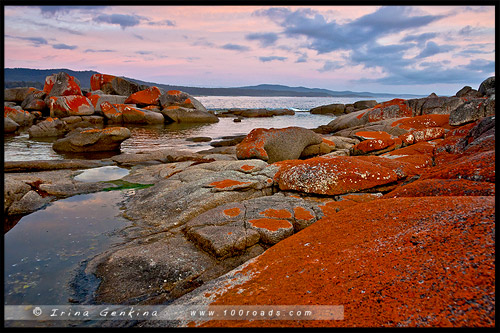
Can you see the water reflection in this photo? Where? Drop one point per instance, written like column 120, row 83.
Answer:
column 102, row 174
column 44, row 249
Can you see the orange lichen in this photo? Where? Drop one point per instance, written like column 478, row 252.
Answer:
column 373, row 145
column 381, row 111
column 98, row 80
column 148, row 96
column 424, row 121
column 270, row 224
column 374, row 135
column 302, row 214
column 443, row 187
column 232, row 211
column 424, row 134
column 247, row 167
column 333, row 175
column 174, row 92
column 227, row 183
column 172, row 107
column 277, row 213
column 391, row 262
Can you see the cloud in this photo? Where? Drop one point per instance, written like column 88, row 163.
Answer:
column 168, row 23
column 436, row 73
column 98, row 51
column 481, row 65
column 421, row 38
column 265, row 39
column 327, row 36
column 361, row 41
column 49, row 11
column 64, row 47
column 330, row 66
column 432, row 48
column 36, row 41
column 272, row 58
column 123, row 20
column 302, row 58
column 235, row 47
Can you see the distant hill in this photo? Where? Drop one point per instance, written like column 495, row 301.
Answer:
column 22, row 77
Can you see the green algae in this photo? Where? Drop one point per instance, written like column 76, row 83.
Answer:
column 124, row 185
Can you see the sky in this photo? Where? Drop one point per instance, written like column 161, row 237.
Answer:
column 394, row 49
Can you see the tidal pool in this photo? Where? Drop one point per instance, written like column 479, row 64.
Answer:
column 46, row 250
column 102, row 174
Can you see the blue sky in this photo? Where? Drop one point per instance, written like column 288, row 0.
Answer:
column 399, row 49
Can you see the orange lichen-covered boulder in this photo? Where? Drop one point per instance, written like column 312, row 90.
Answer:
column 150, row 96
column 21, row 117
column 122, row 113
column 377, row 142
column 48, row 128
column 335, row 175
column 443, row 187
column 325, row 147
column 426, row 134
column 61, row 84
column 178, row 106
column 181, row 99
column 92, row 140
column 98, row 98
column 73, row 105
column 273, row 145
column 395, row 108
column 389, row 263
column 475, row 167
column 423, row 122
column 114, row 85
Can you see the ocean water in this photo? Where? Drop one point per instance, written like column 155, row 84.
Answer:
column 22, row 148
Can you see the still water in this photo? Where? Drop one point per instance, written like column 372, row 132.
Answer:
column 44, row 251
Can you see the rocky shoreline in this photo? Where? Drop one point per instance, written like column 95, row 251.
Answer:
column 387, row 210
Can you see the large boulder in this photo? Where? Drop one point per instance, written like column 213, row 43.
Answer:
column 92, row 140
column 72, row 105
column 337, row 175
column 473, row 110
column 9, row 125
column 487, row 87
column 61, row 84
column 273, row 145
column 21, row 117
column 336, row 109
column 150, row 96
column 34, row 101
column 98, row 97
column 113, row 85
column 125, row 114
column 48, row 128
column 17, row 94
column 188, row 115
column 362, row 105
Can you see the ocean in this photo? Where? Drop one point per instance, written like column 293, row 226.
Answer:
column 22, row 148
